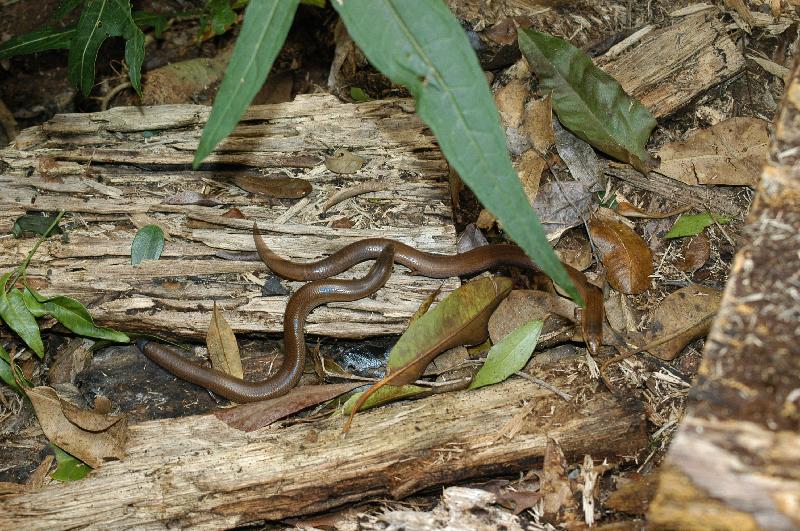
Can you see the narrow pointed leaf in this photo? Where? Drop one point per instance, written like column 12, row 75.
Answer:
column 384, row 395
column 420, row 44
column 508, row 356
column 266, row 24
column 7, row 374
column 223, row 348
column 693, row 224
column 19, row 318
column 37, row 41
column 72, row 314
column 69, row 468
column 589, row 102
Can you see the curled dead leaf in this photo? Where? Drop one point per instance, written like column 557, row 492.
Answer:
column 342, row 161
column 223, row 350
column 625, row 255
column 695, row 252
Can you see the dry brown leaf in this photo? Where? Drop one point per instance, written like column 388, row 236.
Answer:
column 250, row 417
column 696, row 252
column 222, row 346
column 626, row 209
column 731, row 152
column 625, row 255
column 539, row 124
column 690, row 309
column 510, row 101
column 574, row 249
column 342, row 161
column 555, row 486
column 91, row 437
column 529, row 168
column 522, row 306
column 633, row 494
column 275, row 185
column 486, row 220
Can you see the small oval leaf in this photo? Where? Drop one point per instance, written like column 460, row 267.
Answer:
column 147, row 244
column 508, row 356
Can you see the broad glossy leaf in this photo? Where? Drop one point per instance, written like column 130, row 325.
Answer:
column 69, row 468
column 589, row 102
column 693, row 224
column 19, row 318
column 508, row 356
column 266, row 24
column 420, row 44
column 147, row 244
column 37, row 41
column 99, row 20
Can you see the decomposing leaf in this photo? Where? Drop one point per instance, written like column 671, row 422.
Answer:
column 250, row 417
column 582, row 161
column 529, row 168
column 510, row 101
column 17, row 316
column 561, row 206
column 693, row 224
column 731, row 152
column 342, row 161
column 70, row 313
column 276, row 185
column 574, row 249
column 589, row 102
column 555, row 485
column 508, row 356
column 34, row 223
column 521, row 306
column 69, row 468
column 695, row 252
column 190, row 198
column 623, row 208
column 222, row 346
column 91, row 437
column 460, row 319
column 383, row 395
column 539, row 124
column 625, row 255
column 147, row 244
column 690, row 309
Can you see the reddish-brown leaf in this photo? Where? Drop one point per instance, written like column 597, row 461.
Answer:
column 625, row 255
column 696, row 252
column 274, row 185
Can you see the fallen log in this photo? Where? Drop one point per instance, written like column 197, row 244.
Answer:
column 198, row 472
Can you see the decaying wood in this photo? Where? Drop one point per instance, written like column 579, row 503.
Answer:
column 734, row 463
column 129, row 166
column 671, row 66
column 719, row 199
column 196, row 471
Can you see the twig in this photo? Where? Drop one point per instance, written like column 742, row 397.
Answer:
column 545, row 385
column 353, row 191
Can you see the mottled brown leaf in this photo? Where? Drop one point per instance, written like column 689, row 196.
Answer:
column 625, row 255
column 695, row 252
column 275, row 185
column 223, row 350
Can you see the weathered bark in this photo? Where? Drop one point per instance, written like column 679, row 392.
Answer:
column 196, row 471
column 116, row 170
column 735, row 462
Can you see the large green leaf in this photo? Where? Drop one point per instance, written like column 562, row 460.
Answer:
column 70, row 313
column 418, row 43
column 18, row 317
column 589, row 102
column 266, row 24
column 37, row 41
column 509, row 355
column 99, row 20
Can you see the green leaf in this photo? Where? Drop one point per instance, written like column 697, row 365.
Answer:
column 147, row 244
column 37, row 41
column 508, row 356
column 65, row 7
column 589, row 102
column 316, row 3
column 72, row 314
column 219, row 16
column 34, row 223
column 7, row 375
column 69, row 468
column 384, row 395
column 157, row 21
column 18, row 317
column 419, row 44
column 266, row 24
column 99, row 20
column 358, row 94
column 693, row 224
